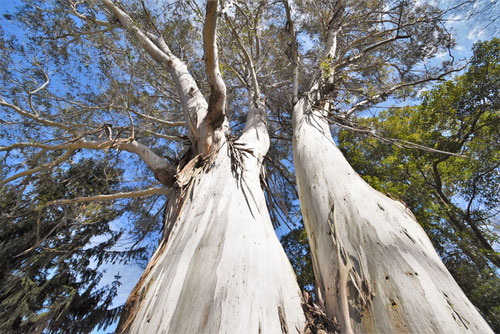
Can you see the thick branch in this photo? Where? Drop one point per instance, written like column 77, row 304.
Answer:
column 217, row 102
column 255, row 136
column 193, row 103
column 163, row 171
column 127, row 23
column 330, row 50
column 108, row 197
column 246, row 55
column 295, row 52
column 373, row 47
column 130, row 194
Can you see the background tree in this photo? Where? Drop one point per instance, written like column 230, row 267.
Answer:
column 51, row 269
column 298, row 251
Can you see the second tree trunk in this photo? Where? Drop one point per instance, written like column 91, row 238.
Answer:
column 376, row 270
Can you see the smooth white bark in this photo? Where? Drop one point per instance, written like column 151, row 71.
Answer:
column 221, row 268
column 376, row 269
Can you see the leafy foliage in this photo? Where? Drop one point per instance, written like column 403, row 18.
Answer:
column 297, row 248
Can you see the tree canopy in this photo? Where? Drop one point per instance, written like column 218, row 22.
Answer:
column 90, row 85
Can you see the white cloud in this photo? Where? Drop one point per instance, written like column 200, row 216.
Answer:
column 441, row 55
column 476, row 34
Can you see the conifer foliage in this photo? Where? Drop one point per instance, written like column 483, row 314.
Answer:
column 51, row 259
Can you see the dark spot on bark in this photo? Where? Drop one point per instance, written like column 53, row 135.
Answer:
column 355, row 263
column 393, row 302
column 386, row 278
column 343, row 256
column 380, row 207
column 409, row 274
column 408, row 235
column 142, row 294
column 416, row 274
column 166, row 176
column 191, row 92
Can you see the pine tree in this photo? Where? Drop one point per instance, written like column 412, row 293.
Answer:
column 50, row 268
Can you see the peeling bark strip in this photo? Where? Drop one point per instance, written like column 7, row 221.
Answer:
column 222, row 269
column 377, row 269
column 316, row 319
column 284, row 327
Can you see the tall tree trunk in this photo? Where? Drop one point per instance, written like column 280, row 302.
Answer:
column 376, row 269
column 220, row 267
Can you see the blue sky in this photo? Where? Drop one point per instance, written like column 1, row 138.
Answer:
column 465, row 32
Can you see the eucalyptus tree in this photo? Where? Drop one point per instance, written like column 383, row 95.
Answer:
column 453, row 198
column 457, row 116
column 376, row 270
column 208, row 272
column 205, row 99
